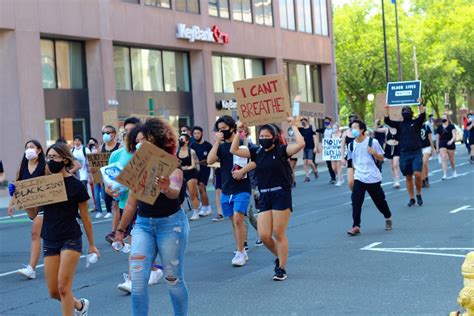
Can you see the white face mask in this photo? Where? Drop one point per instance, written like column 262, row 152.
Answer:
column 30, row 154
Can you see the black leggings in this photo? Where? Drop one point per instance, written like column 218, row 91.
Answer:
column 331, row 172
column 376, row 193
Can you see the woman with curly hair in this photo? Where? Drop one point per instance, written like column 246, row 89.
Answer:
column 161, row 228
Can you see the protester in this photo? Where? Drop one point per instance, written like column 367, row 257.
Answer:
column 79, row 151
column 347, row 139
column 190, row 165
column 310, row 148
column 427, row 150
column 465, row 137
column 161, row 228
column 326, row 132
column 61, row 233
column 33, row 164
column 470, row 128
column 187, row 130
column 274, row 183
column 380, row 135
column 336, row 165
column 202, row 149
column 411, row 157
column 445, row 138
column 235, row 196
column 364, row 152
column 218, row 187
column 392, row 152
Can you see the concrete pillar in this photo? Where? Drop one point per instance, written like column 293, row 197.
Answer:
column 100, row 81
column 328, row 90
column 21, row 96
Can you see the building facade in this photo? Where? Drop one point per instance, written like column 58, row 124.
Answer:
column 65, row 62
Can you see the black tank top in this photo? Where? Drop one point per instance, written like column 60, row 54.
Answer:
column 349, row 140
column 163, row 206
column 39, row 172
column 185, row 161
column 104, row 150
column 390, row 136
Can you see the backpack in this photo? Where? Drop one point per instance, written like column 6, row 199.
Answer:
column 288, row 172
column 378, row 163
column 83, row 151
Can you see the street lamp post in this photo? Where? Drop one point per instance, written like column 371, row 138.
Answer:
column 387, row 79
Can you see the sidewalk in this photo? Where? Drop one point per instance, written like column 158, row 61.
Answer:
column 4, row 198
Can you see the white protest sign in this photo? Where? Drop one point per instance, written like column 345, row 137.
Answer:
column 332, row 149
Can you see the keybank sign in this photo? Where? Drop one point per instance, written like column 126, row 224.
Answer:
column 195, row 33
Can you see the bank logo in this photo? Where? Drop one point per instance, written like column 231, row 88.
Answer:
column 195, row 33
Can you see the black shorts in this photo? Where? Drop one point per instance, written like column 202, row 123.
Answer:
column 54, row 248
column 391, row 151
column 444, row 144
column 350, row 164
column 411, row 162
column 217, row 179
column 190, row 174
column 203, row 175
column 276, row 200
column 293, row 158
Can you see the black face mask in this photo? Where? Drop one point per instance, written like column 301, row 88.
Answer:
column 406, row 116
column 303, row 124
column 227, row 133
column 444, row 120
column 181, row 143
column 266, row 143
column 55, row 166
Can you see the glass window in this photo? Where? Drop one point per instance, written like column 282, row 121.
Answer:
column 317, row 87
column 147, row 72
column 191, row 6
column 158, row 3
column 233, row 70
column 263, row 12
column 253, row 68
column 219, row 8
column 287, row 14
column 175, row 71
column 324, row 18
column 69, row 62
column 320, row 17
column 304, row 16
column 304, row 82
column 48, row 65
column 242, row 10
column 226, row 70
column 217, row 73
column 122, row 68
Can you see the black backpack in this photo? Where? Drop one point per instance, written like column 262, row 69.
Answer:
column 378, row 163
column 288, row 172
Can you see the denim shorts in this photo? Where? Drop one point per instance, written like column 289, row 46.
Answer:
column 279, row 200
column 411, row 162
column 308, row 154
column 54, row 248
column 238, row 202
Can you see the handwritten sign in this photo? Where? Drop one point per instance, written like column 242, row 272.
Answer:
column 262, row 100
column 139, row 174
column 40, row 191
column 97, row 161
column 110, row 118
column 395, row 112
column 332, row 149
column 315, row 110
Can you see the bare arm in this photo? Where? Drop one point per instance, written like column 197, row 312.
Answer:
column 195, row 160
column 239, row 174
column 86, row 221
column 453, row 139
column 76, row 167
column 236, row 150
column 212, row 156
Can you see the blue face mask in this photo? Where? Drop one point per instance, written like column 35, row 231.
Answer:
column 355, row 132
column 137, row 146
column 106, row 138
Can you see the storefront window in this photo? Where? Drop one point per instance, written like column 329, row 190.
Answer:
column 219, row 8
column 158, row 3
column 287, row 14
column 147, row 72
column 304, row 16
column 263, row 12
column 233, row 70
column 253, row 68
column 226, row 70
column 320, row 17
column 304, row 82
column 175, row 70
column 48, row 65
column 217, row 73
column 123, row 79
column 191, row 6
column 242, row 10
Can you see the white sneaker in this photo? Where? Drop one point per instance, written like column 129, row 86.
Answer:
column 99, row 215
column 444, row 177
column 396, row 184
column 125, row 286
column 155, row 276
column 195, row 216
column 27, row 272
column 108, row 215
column 239, row 259
column 85, row 308
column 338, row 183
column 455, row 174
column 202, row 212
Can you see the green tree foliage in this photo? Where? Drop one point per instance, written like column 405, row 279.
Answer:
column 441, row 31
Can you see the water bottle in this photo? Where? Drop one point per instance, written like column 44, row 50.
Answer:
column 117, row 245
column 91, row 258
column 126, row 248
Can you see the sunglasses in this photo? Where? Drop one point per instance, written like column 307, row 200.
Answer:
column 108, row 133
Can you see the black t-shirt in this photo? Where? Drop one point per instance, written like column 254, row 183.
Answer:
column 380, row 137
column 445, row 134
column 410, row 138
column 229, row 184
column 471, row 134
column 1, row 167
column 270, row 171
column 38, row 172
column 202, row 150
column 425, row 132
column 307, row 134
column 59, row 221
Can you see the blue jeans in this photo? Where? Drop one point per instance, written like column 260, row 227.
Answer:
column 168, row 237
column 465, row 139
column 98, row 191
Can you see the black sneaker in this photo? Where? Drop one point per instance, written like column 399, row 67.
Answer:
column 419, row 200
column 316, row 175
column 411, row 203
column 277, row 264
column 333, row 181
column 280, row 274
column 423, row 183
column 246, row 246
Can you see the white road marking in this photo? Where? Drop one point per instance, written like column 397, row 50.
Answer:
column 416, row 250
column 459, row 209
column 38, row 266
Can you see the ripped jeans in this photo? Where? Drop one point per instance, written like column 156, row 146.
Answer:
column 168, row 237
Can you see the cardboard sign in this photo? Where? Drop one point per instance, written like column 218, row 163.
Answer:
column 40, row 191
column 403, row 93
column 315, row 110
column 139, row 174
column 332, row 149
column 262, row 100
column 110, row 118
column 394, row 112
column 97, row 161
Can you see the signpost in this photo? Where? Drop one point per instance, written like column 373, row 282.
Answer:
column 403, row 93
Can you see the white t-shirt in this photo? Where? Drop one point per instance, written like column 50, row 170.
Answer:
column 78, row 153
column 365, row 169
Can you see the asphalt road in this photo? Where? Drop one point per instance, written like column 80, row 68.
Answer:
column 413, row 270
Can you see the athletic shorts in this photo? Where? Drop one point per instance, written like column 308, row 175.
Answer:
column 276, row 200
column 411, row 162
column 308, row 154
column 350, row 164
column 235, row 203
column 190, row 174
column 217, row 179
column 448, row 147
column 203, row 175
column 293, row 158
column 391, row 151
column 426, row 150
column 54, row 248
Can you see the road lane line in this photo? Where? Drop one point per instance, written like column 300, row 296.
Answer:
column 459, row 209
column 38, row 266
